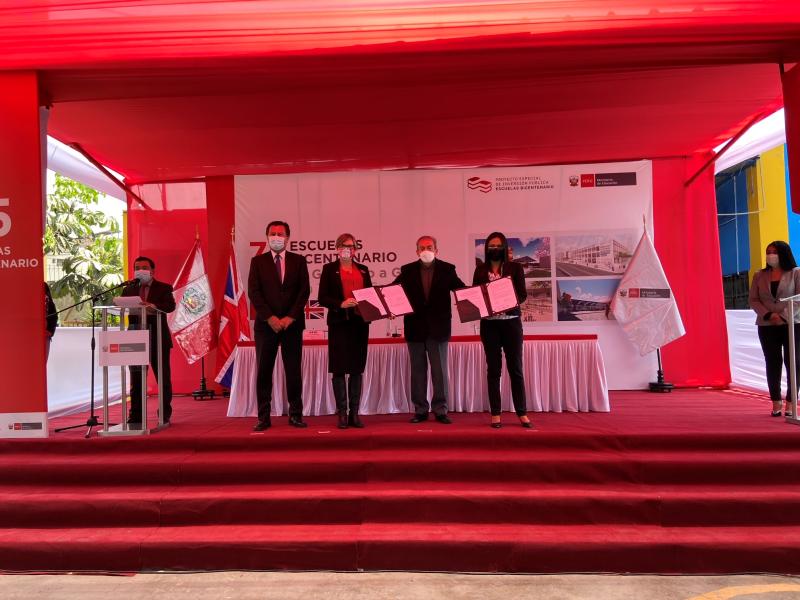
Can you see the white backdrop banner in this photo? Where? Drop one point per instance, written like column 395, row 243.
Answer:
column 572, row 227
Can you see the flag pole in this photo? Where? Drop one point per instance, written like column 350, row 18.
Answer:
column 203, row 393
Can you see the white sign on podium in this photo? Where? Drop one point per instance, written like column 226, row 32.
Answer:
column 124, row 348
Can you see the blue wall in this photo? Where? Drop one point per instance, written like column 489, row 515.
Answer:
column 734, row 234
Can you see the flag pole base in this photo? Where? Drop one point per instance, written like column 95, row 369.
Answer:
column 660, row 386
column 203, row 393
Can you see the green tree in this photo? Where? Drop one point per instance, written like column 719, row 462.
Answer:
column 88, row 239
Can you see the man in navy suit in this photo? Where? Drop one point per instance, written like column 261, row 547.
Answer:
column 278, row 288
column 428, row 282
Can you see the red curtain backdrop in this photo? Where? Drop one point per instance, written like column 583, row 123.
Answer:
column 687, row 241
column 22, row 311
column 165, row 232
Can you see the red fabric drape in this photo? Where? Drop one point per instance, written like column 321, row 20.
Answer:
column 791, row 100
column 166, row 232
column 70, row 33
column 687, row 241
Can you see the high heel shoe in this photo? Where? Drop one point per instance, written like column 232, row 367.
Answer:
column 776, row 413
column 496, row 424
column 526, row 424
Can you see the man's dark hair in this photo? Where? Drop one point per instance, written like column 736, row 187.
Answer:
column 285, row 225
column 142, row 258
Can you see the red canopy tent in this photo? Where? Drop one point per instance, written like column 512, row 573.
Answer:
column 177, row 90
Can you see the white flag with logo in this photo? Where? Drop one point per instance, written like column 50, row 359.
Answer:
column 643, row 303
column 192, row 322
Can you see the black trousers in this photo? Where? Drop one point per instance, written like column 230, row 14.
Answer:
column 775, row 345
column 135, row 414
column 291, row 343
column 498, row 336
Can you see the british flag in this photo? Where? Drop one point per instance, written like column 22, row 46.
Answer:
column 314, row 310
column 234, row 325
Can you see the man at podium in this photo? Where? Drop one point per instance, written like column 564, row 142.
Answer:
column 154, row 294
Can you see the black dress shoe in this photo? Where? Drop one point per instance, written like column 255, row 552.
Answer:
column 297, row 422
column 444, row 419
column 418, row 418
column 354, row 421
column 262, row 426
column 342, row 421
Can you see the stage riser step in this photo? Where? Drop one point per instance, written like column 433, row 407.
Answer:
column 600, row 468
column 528, row 549
column 419, row 508
column 508, row 438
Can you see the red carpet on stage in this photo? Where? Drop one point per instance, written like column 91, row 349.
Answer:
column 690, row 482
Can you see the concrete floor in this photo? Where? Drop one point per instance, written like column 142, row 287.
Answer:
column 378, row 586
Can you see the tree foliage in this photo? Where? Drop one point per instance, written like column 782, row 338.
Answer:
column 88, row 239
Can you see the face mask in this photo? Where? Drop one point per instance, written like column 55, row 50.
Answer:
column 427, row 256
column 277, row 243
column 143, row 276
column 346, row 253
column 773, row 260
column 494, row 254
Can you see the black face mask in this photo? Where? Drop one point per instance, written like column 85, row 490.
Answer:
column 494, row 254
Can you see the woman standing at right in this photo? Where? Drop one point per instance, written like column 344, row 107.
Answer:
column 503, row 332
column 779, row 279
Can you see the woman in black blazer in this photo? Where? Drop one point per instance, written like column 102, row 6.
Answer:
column 503, row 332
column 348, row 333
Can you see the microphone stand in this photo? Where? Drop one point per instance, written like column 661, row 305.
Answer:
column 92, row 421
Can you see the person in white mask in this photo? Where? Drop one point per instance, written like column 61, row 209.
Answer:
column 348, row 333
column 154, row 294
column 278, row 288
column 779, row 279
column 428, row 283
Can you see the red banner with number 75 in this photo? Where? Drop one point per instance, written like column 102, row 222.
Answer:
column 23, row 402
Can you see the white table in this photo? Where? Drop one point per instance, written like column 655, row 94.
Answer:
column 562, row 373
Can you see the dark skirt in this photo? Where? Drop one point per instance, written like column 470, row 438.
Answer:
column 347, row 347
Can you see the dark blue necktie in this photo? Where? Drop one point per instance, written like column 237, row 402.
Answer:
column 278, row 267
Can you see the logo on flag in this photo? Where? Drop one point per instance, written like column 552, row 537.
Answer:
column 234, row 323
column 192, row 323
column 314, row 310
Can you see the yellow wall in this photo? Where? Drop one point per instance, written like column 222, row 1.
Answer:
column 766, row 182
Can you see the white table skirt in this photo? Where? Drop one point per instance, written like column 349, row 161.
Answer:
column 560, row 375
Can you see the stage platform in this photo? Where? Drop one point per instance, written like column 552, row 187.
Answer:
column 697, row 481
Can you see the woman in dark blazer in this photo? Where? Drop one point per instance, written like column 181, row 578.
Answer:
column 503, row 332
column 348, row 333
column 779, row 279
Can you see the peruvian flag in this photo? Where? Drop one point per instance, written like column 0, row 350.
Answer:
column 644, row 304
column 234, row 324
column 192, row 322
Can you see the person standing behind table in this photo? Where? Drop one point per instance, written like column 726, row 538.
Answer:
column 51, row 319
column 348, row 333
column 154, row 294
column 503, row 332
column 278, row 288
column 779, row 279
column 428, row 282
